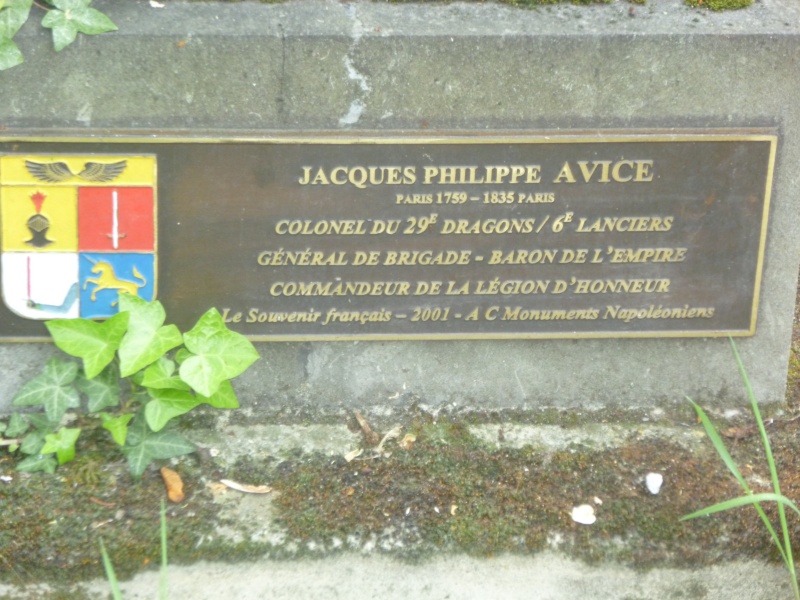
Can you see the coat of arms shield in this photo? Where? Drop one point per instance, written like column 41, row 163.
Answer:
column 77, row 230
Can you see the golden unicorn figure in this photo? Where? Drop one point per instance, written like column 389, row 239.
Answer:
column 107, row 280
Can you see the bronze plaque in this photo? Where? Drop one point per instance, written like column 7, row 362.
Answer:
column 392, row 237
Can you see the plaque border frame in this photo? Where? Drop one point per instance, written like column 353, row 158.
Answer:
column 467, row 137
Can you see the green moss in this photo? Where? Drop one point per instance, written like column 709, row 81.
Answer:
column 528, row 3
column 451, row 492
column 447, row 492
column 720, row 4
column 52, row 524
column 793, row 380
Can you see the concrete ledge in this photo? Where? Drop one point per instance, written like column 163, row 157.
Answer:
column 548, row 576
column 367, row 564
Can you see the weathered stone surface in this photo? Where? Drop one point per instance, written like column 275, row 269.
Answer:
column 361, row 67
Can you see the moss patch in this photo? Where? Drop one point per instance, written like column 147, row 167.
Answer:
column 720, row 4
column 448, row 491
column 52, row 524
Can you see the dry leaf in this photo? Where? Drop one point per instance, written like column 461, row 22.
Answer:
column 349, row 491
column 370, row 437
column 353, row 454
column 174, row 485
column 738, row 433
column 392, row 434
column 408, row 441
column 248, row 489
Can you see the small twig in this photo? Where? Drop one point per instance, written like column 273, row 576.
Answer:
column 101, row 503
column 42, row 6
column 10, row 441
column 370, row 437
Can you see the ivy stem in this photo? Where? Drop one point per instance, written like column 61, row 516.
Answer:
column 42, row 6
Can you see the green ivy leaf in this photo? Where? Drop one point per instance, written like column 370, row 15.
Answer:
column 75, row 16
column 33, row 442
column 41, row 422
column 181, row 355
column 219, row 354
column 167, row 404
column 86, row 19
column 13, row 14
column 94, row 343
column 102, row 391
column 52, row 388
column 17, row 425
column 10, row 54
column 91, row 21
column 224, row 397
column 117, row 426
column 146, row 340
column 137, row 377
column 138, row 431
column 62, row 443
column 160, row 375
column 155, row 446
column 64, row 31
column 66, row 5
column 61, row 372
column 37, row 463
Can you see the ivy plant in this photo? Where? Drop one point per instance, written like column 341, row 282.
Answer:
column 66, row 19
column 135, row 376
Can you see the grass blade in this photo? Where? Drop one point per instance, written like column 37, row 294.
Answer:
column 722, row 450
column 110, row 574
column 742, row 501
column 163, row 579
column 719, row 445
column 786, row 549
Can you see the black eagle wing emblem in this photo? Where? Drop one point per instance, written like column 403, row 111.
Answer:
column 102, row 172
column 50, row 172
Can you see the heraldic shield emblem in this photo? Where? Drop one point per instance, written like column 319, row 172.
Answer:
column 76, row 231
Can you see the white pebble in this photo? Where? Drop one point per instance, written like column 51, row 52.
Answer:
column 584, row 514
column 654, row 481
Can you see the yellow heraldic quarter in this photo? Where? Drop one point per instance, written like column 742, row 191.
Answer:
column 85, row 170
column 59, row 171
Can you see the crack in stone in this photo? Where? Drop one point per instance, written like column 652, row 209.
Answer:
column 358, row 105
column 281, row 100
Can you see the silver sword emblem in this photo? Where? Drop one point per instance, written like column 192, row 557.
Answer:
column 115, row 235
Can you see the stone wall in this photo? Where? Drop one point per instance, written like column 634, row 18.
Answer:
column 328, row 66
